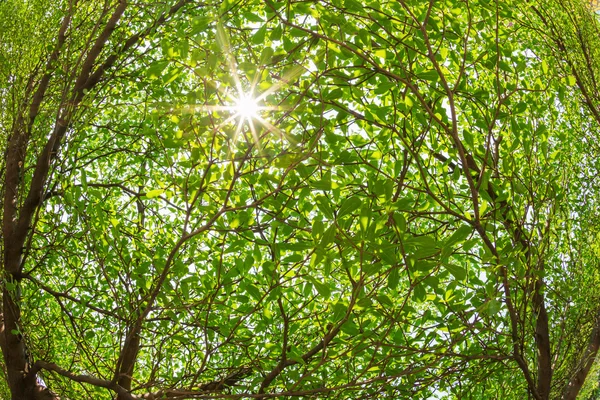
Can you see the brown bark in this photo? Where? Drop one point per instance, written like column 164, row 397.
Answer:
column 542, row 340
column 587, row 360
column 15, row 226
column 21, row 203
column 127, row 362
column 23, row 385
column 38, row 365
column 16, row 220
column 563, row 42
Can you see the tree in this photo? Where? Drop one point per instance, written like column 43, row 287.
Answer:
column 404, row 208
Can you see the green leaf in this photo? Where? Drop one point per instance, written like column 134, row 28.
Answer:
column 458, row 272
column 199, row 24
column 353, row 5
column 10, row 286
column 324, row 206
column 156, row 68
column 253, row 291
column 492, row 307
column 268, row 268
column 322, row 288
column 317, row 229
column 419, row 293
column 400, row 222
column 350, row 328
column 349, row 205
column 154, row 193
column 365, row 217
column 323, row 184
column 339, row 311
column 266, row 55
column 404, row 204
column 259, row 36
column 328, row 236
column 388, row 254
column 334, row 94
column 430, row 75
column 459, row 235
column 393, row 278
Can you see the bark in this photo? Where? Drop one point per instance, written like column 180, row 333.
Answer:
column 587, row 360
column 82, row 379
column 127, row 363
column 22, row 384
column 567, row 41
column 542, row 340
column 16, row 220
column 15, row 226
column 21, row 203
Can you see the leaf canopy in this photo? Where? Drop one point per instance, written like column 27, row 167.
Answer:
column 412, row 212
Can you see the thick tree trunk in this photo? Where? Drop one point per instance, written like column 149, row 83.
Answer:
column 587, row 360
column 23, row 385
column 128, row 359
column 20, row 203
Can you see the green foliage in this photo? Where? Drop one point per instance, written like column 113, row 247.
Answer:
column 419, row 176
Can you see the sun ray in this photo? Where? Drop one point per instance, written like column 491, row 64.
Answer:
column 238, row 130
column 286, row 79
column 272, row 128
column 246, row 106
column 243, row 102
column 255, row 135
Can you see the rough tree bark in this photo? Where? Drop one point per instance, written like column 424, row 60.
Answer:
column 21, row 203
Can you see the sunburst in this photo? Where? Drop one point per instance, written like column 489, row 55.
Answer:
column 247, row 107
column 244, row 105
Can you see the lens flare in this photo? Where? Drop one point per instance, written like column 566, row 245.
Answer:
column 246, row 106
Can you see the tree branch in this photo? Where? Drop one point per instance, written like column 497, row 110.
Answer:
column 585, row 364
column 284, row 363
column 124, row 394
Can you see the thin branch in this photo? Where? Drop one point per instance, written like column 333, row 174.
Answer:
column 38, row 365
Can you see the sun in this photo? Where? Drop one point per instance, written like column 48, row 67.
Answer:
column 246, row 106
